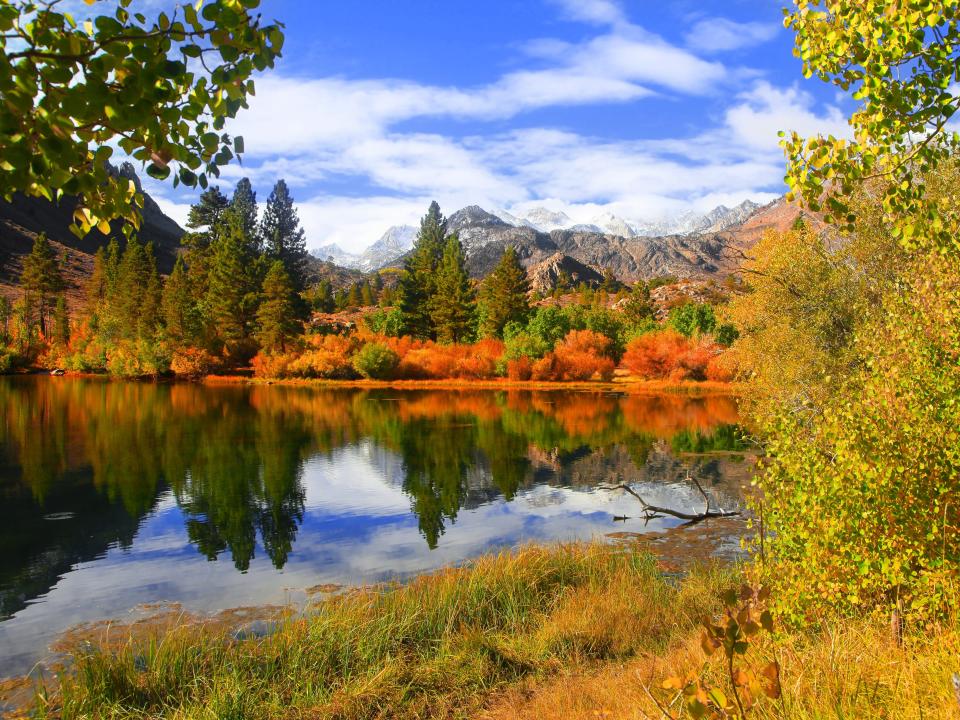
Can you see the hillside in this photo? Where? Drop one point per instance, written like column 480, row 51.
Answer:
column 25, row 217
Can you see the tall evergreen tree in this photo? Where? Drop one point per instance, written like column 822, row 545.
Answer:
column 417, row 282
column 178, row 308
column 503, row 295
column 205, row 215
column 6, row 313
column 41, row 281
column 150, row 304
column 452, row 304
column 232, row 291
column 353, row 296
column 95, row 289
column 283, row 237
column 243, row 205
column 61, row 322
column 366, row 294
column 276, row 321
column 129, row 290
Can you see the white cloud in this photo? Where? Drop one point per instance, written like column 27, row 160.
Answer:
column 293, row 115
column 324, row 133
column 765, row 110
column 719, row 34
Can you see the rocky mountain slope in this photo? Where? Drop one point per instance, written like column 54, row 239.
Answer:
column 393, row 244
column 708, row 254
column 692, row 246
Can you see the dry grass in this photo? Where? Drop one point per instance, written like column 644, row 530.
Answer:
column 849, row 671
column 438, row 647
column 568, row 633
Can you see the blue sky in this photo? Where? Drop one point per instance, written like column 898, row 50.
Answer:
column 645, row 109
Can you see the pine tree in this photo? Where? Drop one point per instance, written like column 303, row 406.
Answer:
column 231, row 295
column 504, row 295
column 125, row 299
column 95, row 289
column 205, row 215
column 353, row 297
column 6, row 312
column 366, row 295
column 283, row 236
column 452, row 304
column 243, row 205
column 276, row 322
column 150, row 314
column 417, row 282
column 41, row 280
column 61, row 322
column 177, row 306
column 610, row 282
column 321, row 296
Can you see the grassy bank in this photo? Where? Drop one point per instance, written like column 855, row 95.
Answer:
column 437, row 647
column 559, row 632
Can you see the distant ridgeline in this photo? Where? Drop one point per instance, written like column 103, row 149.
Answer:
column 708, row 246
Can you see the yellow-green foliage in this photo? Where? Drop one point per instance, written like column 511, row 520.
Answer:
column 864, row 497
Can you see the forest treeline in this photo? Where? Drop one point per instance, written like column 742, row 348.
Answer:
column 240, row 294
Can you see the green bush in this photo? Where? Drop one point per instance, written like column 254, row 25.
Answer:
column 385, row 322
column 376, row 361
column 693, row 319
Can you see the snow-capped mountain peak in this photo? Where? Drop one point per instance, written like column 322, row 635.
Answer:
column 547, row 220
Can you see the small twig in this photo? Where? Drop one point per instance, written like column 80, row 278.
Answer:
column 696, row 482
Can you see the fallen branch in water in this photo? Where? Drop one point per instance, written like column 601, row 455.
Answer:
column 653, row 511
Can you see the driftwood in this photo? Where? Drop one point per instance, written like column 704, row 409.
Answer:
column 654, row 511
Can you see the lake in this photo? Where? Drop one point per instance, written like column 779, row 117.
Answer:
column 119, row 494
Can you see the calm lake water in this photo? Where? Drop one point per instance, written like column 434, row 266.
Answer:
column 118, row 494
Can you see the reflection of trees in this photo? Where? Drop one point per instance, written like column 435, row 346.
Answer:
column 234, row 456
column 235, row 471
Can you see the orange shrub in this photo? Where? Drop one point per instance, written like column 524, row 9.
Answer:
column 191, row 362
column 655, row 354
column 668, row 354
column 519, row 369
column 719, row 369
column 475, row 361
column 326, row 356
column 266, row 365
column 581, row 355
column 546, row 368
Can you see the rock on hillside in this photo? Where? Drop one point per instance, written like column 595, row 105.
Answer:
column 545, row 275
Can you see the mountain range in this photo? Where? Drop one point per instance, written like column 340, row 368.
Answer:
column 478, row 227
column 691, row 246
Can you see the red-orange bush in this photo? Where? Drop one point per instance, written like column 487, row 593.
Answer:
column 326, row 356
column 519, row 369
column 668, row 354
column 476, row 361
column 267, row 365
column 719, row 369
column 581, row 355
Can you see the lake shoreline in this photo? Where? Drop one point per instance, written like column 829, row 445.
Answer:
column 651, row 387
column 623, row 384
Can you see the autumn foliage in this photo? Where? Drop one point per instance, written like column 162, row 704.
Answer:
column 666, row 354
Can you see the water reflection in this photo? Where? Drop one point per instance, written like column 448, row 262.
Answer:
column 92, row 468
